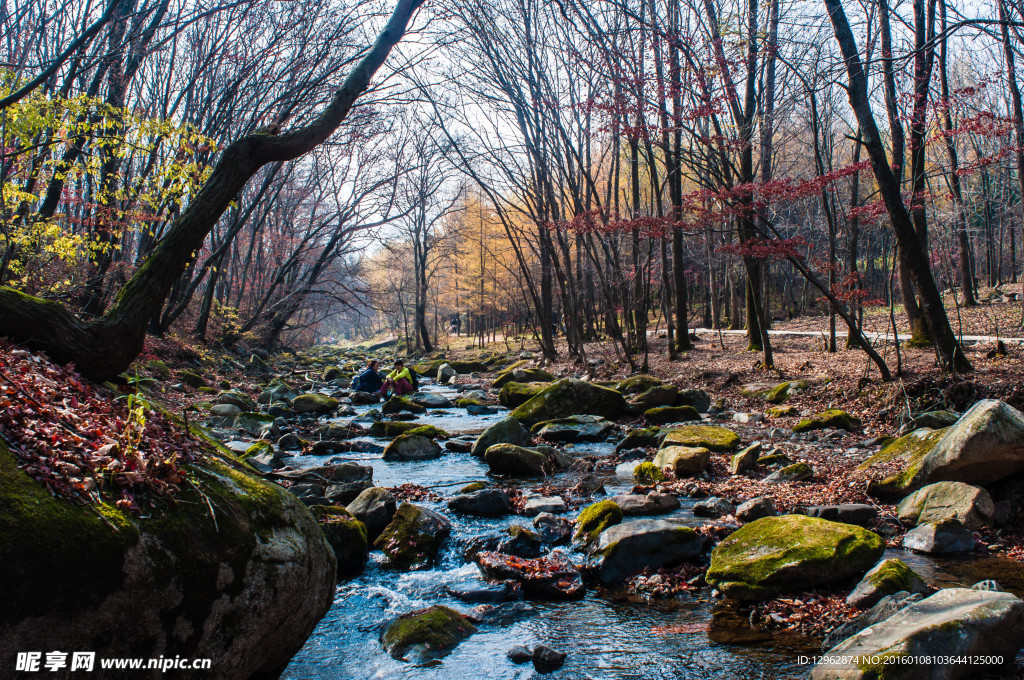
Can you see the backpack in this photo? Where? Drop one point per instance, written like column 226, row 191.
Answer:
column 414, row 377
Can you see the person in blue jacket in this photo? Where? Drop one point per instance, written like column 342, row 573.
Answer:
column 369, row 380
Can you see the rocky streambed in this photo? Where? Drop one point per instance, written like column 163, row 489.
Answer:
column 477, row 576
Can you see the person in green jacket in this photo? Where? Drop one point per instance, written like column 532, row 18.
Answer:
column 399, row 380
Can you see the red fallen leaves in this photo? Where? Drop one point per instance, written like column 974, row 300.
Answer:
column 554, row 577
column 809, row 613
column 67, row 433
column 414, row 492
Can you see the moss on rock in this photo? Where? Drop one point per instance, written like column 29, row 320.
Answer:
column 833, row 417
column 638, row 384
column 594, row 519
column 660, row 415
column 515, row 394
column 570, row 397
column 783, row 411
column 707, row 436
column 781, row 392
column 347, row 536
column 314, row 402
column 426, row 634
column 641, row 438
column 910, row 450
column 647, row 472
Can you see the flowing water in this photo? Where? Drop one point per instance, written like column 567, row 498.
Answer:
column 607, row 634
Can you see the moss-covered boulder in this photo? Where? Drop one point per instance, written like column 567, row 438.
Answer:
column 663, row 415
column 833, row 417
column 791, row 552
column 659, row 395
column 797, row 472
column 570, row 397
column 745, row 459
column 505, row 431
column 332, row 373
column 347, row 536
column 236, row 570
column 515, row 394
column 314, row 402
column 426, row 634
column 191, row 378
column 625, row 549
column 235, row 398
column 467, row 367
column 638, row 384
column 413, row 537
column 518, row 461
column 885, row 578
column 398, row 404
column 648, row 473
column 522, row 375
column 782, row 412
column 575, row 428
column 972, row 505
column 640, row 438
column 683, row 461
column 254, row 423
column 706, row 436
column 908, row 451
column 781, row 392
column 410, row 446
column 594, row 519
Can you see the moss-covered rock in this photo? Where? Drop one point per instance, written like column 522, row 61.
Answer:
column 413, row 537
column 683, row 461
column 781, row 392
column 797, row 472
column 191, row 378
column 659, row 395
column 472, row 487
column 253, row 423
column 640, row 438
column 398, row 404
column 594, row 519
column 909, row 451
column 571, row 397
column 972, row 505
column 885, row 578
column 627, row 548
column 783, row 412
column 314, row 403
column 426, row 634
column 638, row 384
column 467, row 367
column 573, row 428
column 258, row 448
column 833, row 417
column 662, row 415
column 522, row 375
column 505, row 431
column 158, row 369
column 411, row 446
column 181, row 581
column 745, row 459
column 465, row 401
column 518, row 461
column 515, row 394
column 347, row 536
column 648, row 472
column 332, row 373
column 790, row 552
column 707, row 436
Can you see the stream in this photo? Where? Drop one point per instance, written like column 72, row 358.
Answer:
column 608, row 634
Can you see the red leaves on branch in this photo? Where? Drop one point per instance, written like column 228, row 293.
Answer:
column 766, row 249
column 70, row 435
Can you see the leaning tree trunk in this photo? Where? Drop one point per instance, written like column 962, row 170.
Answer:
column 104, row 347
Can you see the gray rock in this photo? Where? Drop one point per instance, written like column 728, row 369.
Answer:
column 885, row 578
column 745, row 459
column 362, row 398
column 797, row 472
column 374, row 507
column 480, row 410
column 553, row 505
column 517, row 461
column 413, row 537
column 860, row 514
column 406, row 447
column 224, row 411
column 458, row 445
column 988, row 585
column 445, row 373
column 886, row 607
column 624, row 549
column 947, row 536
column 756, row 508
column 553, row 530
column 652, row 504
column 430, row 400
column 290, row 442
column 695, row 397
column 547, row 660
column 575, row 428
column 713, row 507
column 954, row 622
column 972, row 505
column 482, row 503
column 506, row 431
column 519, row 655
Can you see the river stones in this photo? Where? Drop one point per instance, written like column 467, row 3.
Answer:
column 972, row 505
column 340, row 483
column 426, row 634
column 574, row 428
column 653, row 503
column 713, row 507
column 409, row 446
column 643, row 437
column 624, row 549
column 683, row 461
column 314, row 403
column 909, row 450
column 254, row 423
column 860, row 514
column 445, row 373
column 885, row 578
column 953, row 623
column 397, row 404
column 235, row 398
column 522, row 375
column 517, row 461
column 833, row 417
column 242, row 584
column 695, row 397
column 570, row 397
column 430, row 400
column 550, row 504
column 638, row 384
column 945, row 536
column 554, row 577
column 374, row 507
column 791, row 552
column 659, row 395
column 797, row 472
column 755, row 509
column 347, row 536
column 708, row 436
column 783, row 391
column 413, row 537
column 745, row 459
column 594, row 519
column 662, row 415
column 886, row 607
column 505, row 431
column 551, row 529
column 515, row 394
column 481, row 503
column 521, row 542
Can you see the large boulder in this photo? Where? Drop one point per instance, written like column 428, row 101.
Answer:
column 518, row 461
column 505, row 431
column 374, row 507
column 661, row 415
column 413, row 537
column 972, row 505
column 905, row 452
column 570, row 397
column 782, row 391
column 791, row 552
column 695, row 397
column 659, row 395
column 683, row 461
column 927, row 639
column 236, row 570
column 430, row 400
column 426, row 634
column 411, row 447
column 574, row 428
column 708, row 436
column 885, row 578
column 638, row 384
column 624, row 549
column 347, row 536
column 653, row 503
column 522, row 375
column 515, row 394
column 833, row 417
column 314, row 402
